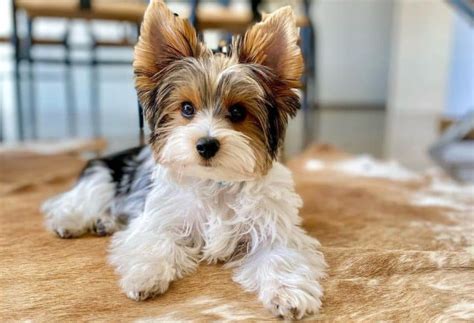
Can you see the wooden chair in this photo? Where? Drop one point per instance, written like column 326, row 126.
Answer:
column 130, row 11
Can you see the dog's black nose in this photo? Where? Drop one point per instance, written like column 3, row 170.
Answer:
column 207, row 147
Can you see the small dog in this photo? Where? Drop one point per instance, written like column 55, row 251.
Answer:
column 208, row 186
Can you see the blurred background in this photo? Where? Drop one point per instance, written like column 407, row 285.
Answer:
column 390, row 78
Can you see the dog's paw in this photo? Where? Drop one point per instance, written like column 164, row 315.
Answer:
column 141, row 296
column 65, row 230
column 104, row 226
column 141, row 278
column 293, row 303
column 63, row 219
column 65, row 233
column 142, row 293
column 65, row 225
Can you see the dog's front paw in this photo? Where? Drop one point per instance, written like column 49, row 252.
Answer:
column 105, row 226
column 65, row 224
column 142, row 288
column 62, row 218
column 294, row 303
column 143, row 273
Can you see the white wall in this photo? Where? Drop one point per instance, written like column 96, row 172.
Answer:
column 418, row 78
column 353, row 50
column 420, row 56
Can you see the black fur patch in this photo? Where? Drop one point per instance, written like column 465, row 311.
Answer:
column 115, row 162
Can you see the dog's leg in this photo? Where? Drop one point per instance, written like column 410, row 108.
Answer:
column 85, row 207
column 286, row 279
column 158, row 247
column 283, row 265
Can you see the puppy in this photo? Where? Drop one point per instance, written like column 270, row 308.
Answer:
column 208, row 186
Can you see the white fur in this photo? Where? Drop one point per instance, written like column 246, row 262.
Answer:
column 73, row 213
column 252, row 225
column 235, row 160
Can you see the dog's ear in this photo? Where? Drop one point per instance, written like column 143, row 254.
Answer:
column 273, row 42
column 164, row 38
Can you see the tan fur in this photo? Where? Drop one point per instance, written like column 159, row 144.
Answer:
column 273, row 43
column 163, row 38
column 382, row 267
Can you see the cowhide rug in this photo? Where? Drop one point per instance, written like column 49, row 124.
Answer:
column 399, row 246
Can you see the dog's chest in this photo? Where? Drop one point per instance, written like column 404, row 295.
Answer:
column 223, row 229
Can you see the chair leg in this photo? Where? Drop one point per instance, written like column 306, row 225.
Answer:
column 19, row 102
column 32, row 96
column 17, row 52
column 193, row 16
column 310, row 122
column 141, row 137
column 31, row 81
column 94, row 89
column 69, row 88
column 141, row 121
column 95, row 101
column 70, row 101
column 254, row 5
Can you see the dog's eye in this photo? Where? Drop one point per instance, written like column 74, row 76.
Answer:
column 187, row 110
column 237, row 113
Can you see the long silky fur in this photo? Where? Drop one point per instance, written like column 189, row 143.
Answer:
column 174, row 209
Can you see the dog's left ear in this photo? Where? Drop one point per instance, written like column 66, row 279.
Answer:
column 273, row 42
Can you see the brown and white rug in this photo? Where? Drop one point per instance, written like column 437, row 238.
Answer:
column 399, row 244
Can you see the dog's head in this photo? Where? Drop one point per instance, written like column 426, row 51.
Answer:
column 217, row 116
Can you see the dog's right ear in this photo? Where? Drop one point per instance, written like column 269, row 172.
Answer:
column 164, row 38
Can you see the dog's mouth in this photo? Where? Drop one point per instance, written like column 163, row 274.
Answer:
column 206, row 163
column 212, row 171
